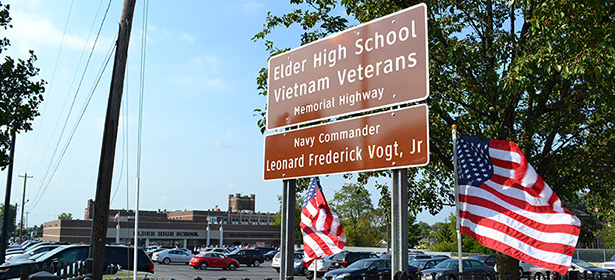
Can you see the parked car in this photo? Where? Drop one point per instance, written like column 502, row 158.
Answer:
column 322, row 265
column 524, row 269
column 265, row 250
column 425, row 263
column 19, row 250
column 269, row 255
column 168, row 256
column 449, row 270
column 150, row 252
column 346, row 258
column 298, row 267
column 206, row 260
column 218, row 250
column 610, row 265
column 248, row 257
column 413, row 257
column 372, row 268
column 488, row 259
column 31, row 252
column 592, row 271
column 68, row 254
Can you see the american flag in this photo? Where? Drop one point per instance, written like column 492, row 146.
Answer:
column 321, row 227
column 505, row 205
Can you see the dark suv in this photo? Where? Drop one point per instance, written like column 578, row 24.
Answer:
column 248, row 257
column 68, row 254
column 344, row 259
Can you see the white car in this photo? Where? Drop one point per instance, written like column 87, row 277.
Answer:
column 217, row 250
column 609, row 265
column 168, row 256
column 276, row 262
column 322, row 266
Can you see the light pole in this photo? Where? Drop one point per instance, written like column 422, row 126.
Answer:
column 23, row 203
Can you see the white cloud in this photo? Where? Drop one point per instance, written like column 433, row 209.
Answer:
column 31, row 31
column 187, row 37
column 251, row 7
column 225, row 142
column 199, row 76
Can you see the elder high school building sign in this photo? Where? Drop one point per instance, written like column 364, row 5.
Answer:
column 375, row 65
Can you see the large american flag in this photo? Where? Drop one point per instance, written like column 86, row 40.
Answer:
column 505, row 205
column 321, row 227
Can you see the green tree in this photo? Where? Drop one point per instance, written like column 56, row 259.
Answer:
column 12, row 226
column 19, row 95
column 447, row 239
column 277, row 217
column 539, row 73
column 353, row 204
column 65, row 216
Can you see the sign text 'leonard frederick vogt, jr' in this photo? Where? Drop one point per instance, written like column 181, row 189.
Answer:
column 392, row 139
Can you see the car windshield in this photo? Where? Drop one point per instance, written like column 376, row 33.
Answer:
column 44, row 256
column 449, row 264
column 418, row 264
column 613, row 258
column 234, row 252
column 361, row 264
column 583, row 264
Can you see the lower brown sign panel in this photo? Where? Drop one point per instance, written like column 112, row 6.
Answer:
column 388, row 140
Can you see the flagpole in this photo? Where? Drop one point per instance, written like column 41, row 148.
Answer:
column 315, row 269
column 458, row 224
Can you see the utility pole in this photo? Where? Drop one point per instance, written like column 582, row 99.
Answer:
column 107, row 156
column 23, row 203
column 7, row 198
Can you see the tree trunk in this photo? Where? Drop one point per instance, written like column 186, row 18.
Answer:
column 507, row 266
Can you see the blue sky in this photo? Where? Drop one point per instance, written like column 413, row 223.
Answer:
column 200, row 141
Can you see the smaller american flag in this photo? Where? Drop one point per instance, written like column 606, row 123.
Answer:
column 321, row 227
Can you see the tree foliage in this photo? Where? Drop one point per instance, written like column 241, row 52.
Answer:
column 353, row 205
column 19, row 94
column 12, row 225
column 65, row 216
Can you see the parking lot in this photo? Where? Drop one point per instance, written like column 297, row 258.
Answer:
column 186, row 272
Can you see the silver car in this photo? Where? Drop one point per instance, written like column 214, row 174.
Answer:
column 297, row 263
column 168, row 256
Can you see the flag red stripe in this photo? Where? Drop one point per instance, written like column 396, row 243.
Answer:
column 544, row 246
column 321, row 243
column 513, row 252
column 520, row 203
column 561, row 228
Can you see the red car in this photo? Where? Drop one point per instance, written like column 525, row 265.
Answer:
column 213, row 259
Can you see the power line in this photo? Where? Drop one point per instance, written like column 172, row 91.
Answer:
column 47, row 178
column 40, row 193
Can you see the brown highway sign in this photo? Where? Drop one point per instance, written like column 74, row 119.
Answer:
column 377, row 64
column 392, row 139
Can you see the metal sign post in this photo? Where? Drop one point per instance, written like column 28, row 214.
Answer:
column 399, row 223
column 287, row 249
